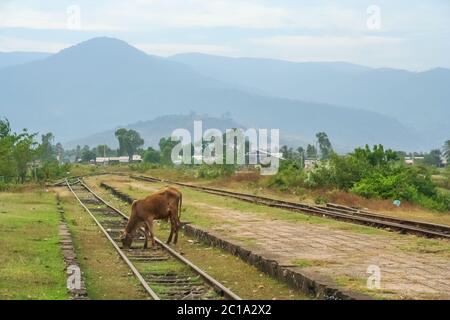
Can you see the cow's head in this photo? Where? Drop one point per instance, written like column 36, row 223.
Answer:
column 126, row 239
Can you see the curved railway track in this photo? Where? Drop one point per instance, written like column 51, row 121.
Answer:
column 330, row 210
column 163, row 273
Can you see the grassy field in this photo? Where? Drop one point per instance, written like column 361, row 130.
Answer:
column 192, row 213
column 255, row 184
column 32, row 266
column 31, row 263
column 248, row 282
column 106, row 275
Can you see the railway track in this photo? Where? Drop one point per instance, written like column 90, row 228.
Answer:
column 73, row 179
column 330, row 210
column 163, row 273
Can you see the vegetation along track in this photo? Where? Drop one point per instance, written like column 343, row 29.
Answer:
column 330, row 210
column 162, row 271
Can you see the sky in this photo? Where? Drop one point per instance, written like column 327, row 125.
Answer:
column 404, row 34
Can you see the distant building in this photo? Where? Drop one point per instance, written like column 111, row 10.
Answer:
column 122, row 159
column 101, row 160
column 411, row 160
column 444, row 161
column 265, row 154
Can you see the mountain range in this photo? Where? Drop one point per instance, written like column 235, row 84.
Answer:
column 419, row 100
column 152, row 130
column 105, row 83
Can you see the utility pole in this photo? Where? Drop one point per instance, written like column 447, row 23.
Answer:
column 104, row 154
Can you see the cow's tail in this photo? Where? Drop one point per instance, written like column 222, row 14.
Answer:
column 180, row 202
column 133, row 209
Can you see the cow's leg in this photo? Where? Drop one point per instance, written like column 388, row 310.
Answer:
column 177, row 227
column 172, row 224
column 146, row 233
column 149, row 224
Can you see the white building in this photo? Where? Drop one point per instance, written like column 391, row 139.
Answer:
column 122, row 159
column 411, row 160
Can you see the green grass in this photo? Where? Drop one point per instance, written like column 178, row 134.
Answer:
column 106, row 275
column 243, row 279
column 423, row 245
column 192, row 214
column 305, row 263
column 444, row 191
column 31, row 262
column 360, row 284
column 264, row 212
column 162, row 267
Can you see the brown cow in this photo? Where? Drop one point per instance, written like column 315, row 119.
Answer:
column 164, row 204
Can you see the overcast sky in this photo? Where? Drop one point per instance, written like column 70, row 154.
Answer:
column 409, row 34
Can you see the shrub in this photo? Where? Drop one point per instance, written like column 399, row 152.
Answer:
column 321, row 200
column 143, row 166
column 52, row 169
column 4, row 186
column 215, row 171
column 289, row 175
column 378, row 185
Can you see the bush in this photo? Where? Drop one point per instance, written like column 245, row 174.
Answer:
column 215, row 171
column 378, row 185
column 4, row 186
column 412, row 184
column 10, row 187
column 321, row 200
column 289, row 175
column 152, row 156
column 143, row 167
column 438, row 202
column 51, row 170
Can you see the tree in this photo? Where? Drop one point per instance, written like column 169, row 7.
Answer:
column 165, row 146
column 447, row 177
column 376, row 157
column 324, row 145
column 5, row 128
column 23, row 153
column 301, row 154
column 7, row 165
column 129, row 142
column 446, row 150
column 286, row 152
column 46, row 149
column 20, row 151
column 103, row 150
column 152, row 156
column 59, row 151
column 311, row 152
column 16, row 152
column 87, row 154
column 121, row 136
column 433, row 158
column 78, row 153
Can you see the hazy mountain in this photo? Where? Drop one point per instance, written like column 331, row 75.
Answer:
column 104, row 82
column 153, row 130
column 420, row 100
column 14, row 58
